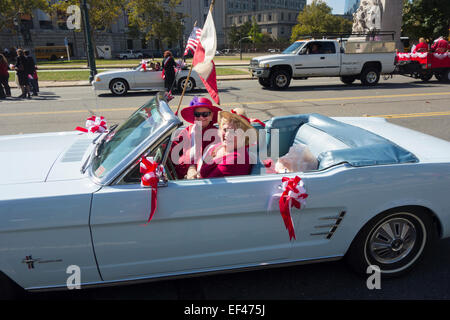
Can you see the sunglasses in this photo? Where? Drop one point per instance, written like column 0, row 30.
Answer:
column 201, row 114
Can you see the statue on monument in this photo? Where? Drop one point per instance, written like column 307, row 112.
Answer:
column 368, row 17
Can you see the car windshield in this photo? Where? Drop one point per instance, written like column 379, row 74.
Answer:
column 118, row 144
column 293, row 47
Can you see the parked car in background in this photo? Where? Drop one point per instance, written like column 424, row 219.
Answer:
column 151, row 53
column 273, row 50
column 119, row 82
column 130, row 54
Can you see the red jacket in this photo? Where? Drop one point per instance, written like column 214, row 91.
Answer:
column 183, row 161
column 228, row 165
column 421, row 47
column 440, row 46
column 4, row 69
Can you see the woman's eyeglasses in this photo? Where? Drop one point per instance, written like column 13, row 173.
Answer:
column 201, row 114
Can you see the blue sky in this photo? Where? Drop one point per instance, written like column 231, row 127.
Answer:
column 337, row 5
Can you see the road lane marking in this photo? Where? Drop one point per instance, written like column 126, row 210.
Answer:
column 241, row 103
column 412, row 115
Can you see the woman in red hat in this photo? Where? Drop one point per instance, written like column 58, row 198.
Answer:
column 188, row 146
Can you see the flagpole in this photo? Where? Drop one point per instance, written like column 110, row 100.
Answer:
column 192, row 66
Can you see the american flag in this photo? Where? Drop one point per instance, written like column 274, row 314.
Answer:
column 193, row 40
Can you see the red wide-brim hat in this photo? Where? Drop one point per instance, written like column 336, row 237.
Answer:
column 188, row 112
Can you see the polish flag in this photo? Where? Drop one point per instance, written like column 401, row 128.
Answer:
column 203, row 58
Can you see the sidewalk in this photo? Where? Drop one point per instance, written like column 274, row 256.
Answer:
column 50, row 84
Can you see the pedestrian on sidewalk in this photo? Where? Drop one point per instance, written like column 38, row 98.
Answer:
column 5, row 90
column 22, row 75
column 32, row 74
column 168, row 70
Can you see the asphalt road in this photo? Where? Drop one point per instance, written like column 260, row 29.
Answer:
column 421, row 106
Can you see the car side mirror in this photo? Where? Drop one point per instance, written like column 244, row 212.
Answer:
column 303, row 51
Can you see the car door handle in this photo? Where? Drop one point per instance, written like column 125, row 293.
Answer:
column 322, row 58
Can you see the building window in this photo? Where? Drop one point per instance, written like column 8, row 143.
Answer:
column 259, row 18
column 269, row 30
column 269, row 17
column 45, row 24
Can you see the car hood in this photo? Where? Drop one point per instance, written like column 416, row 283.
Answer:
column 271, row 57
column 32, row 158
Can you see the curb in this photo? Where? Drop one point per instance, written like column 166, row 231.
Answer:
column 45, row 84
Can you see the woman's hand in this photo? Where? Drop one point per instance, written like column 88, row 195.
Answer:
column 192, row 173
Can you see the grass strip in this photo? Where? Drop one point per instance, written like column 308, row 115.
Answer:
column 84, row 74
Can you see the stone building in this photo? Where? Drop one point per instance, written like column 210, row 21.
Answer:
column 276, row 17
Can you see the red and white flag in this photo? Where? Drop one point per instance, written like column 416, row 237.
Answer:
column 203, row 58
column 193, row 41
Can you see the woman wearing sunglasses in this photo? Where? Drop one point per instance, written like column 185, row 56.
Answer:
column 188, row 146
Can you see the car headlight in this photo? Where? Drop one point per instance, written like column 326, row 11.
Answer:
column 264, row 65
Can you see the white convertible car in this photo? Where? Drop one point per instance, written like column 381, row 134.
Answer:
column 72, row 200
column 119, row 82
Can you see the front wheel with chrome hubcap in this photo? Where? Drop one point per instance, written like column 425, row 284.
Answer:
column 119, row 87
column 280, row 79
column 393, row 241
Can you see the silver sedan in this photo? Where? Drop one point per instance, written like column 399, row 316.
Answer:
column 119, row 82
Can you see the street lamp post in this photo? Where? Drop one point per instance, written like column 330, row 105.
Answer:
column 240, row 45
column 87, row 32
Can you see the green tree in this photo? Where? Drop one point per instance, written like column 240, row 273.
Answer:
column 426, row 18
column 254, row 34
column 157, row 19
column 317, row 18
column 236, row 33
column 11, row 10
column 102, row 14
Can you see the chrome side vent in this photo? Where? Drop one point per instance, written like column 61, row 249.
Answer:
column 76, row 151
column 332, row 227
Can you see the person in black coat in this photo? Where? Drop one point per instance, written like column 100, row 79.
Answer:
column 169, row 70
column 21, row 68
column 31, row 71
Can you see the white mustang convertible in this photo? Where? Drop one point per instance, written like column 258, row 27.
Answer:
column 74, row 200
column 119, row 82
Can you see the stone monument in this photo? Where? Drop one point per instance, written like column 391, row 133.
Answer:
column 379, row 15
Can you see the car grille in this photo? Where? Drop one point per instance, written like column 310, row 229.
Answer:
column 253, row 63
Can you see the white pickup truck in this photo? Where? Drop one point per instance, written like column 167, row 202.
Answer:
column 130, row 54
column 361, row 60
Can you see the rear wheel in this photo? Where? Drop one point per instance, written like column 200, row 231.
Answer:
column 445, row 76
column 348, row 79
column 426, row 77
column 370, row 76
column 190, row 85
column 280, row 79
column 395, row 241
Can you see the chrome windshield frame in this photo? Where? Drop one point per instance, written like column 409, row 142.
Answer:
column 170, row 123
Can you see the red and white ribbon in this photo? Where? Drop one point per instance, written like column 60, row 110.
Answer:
column 144, row 65
column 294, row 194
column 151, row 171
column 94, row 124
